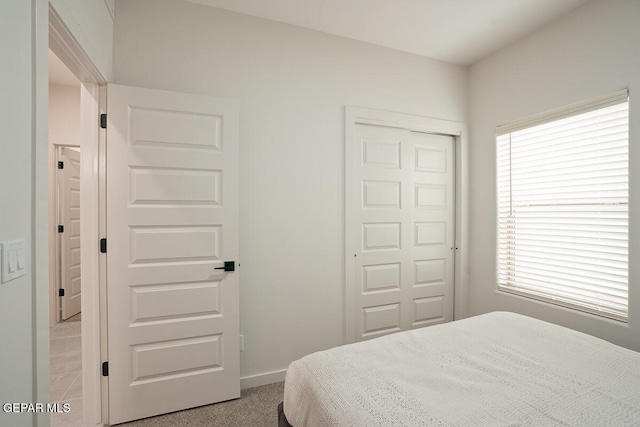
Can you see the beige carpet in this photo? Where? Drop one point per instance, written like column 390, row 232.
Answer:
column 256, row 407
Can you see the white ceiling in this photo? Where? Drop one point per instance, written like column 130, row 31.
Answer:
column 455, row 31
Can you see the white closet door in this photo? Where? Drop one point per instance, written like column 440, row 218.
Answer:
column 400, row 188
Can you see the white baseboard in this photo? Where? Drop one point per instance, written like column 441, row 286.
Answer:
column 262, row 379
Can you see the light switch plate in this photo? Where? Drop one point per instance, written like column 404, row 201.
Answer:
column 13, row 259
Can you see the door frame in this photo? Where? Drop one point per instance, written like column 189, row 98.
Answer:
column 92, row 146
column 458, row 130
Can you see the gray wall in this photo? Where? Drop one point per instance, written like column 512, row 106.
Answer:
column 91, row 24
column 592, row 51
column 16, row 296
column 292, row 84
column 64, row 115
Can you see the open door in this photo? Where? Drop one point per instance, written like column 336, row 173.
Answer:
column 69, row 230
column 172, row 222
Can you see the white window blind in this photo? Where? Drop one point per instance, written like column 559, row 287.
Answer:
column 563, row 206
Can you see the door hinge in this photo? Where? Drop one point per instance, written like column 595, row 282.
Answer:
column 60, row 165
column 60, row 292
column 103, row 246
column 228, row 266
column 105, row 369
column 103, row 121
column 61, row 229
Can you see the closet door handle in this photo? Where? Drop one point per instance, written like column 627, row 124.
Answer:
column 228, row 266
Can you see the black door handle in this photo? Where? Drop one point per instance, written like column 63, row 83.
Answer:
column 228, row 266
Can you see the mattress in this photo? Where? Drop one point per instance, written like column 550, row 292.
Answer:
column 497, row 369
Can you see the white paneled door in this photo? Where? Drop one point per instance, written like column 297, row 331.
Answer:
column 69, row 214
column 172, row 222
column 401, row 221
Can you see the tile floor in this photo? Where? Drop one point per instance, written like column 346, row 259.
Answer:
column 66, row 373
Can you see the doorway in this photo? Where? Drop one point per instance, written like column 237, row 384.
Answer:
column 64, row 254
column 90, row 138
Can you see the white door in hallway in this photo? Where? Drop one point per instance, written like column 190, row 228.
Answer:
column 172, row 222
column 69, row 214
column 400, row 187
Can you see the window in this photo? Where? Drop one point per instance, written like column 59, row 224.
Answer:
column 563, row 206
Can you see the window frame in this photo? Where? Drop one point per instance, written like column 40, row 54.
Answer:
column 502, row 256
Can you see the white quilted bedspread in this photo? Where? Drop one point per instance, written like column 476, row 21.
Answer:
column 498, row 369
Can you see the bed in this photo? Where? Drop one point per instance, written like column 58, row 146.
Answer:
column 497, row 369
